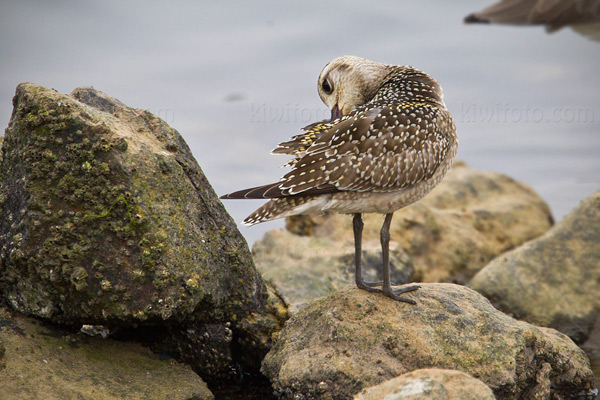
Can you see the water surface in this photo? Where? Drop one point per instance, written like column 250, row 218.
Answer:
column 237, row 78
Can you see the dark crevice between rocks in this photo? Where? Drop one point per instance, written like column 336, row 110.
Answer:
column 250, row 386
column 213, row 351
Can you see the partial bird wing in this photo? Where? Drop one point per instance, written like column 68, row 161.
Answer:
column 380, row 149
column 555, row 14
column 505, row 12
column 301, row 142
column 591, row 31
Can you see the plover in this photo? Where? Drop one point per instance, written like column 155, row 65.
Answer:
column 581, row 15
column 390, row 141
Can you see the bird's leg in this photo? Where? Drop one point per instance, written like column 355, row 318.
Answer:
column 357, row 224
column 385, row 250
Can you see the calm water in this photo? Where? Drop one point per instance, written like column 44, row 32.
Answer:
column 236, row 79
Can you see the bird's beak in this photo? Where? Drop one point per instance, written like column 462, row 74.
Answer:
column 335, row 113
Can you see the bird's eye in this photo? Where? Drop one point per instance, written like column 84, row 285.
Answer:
column 326, row 86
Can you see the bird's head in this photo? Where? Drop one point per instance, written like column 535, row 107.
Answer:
column 347, row 82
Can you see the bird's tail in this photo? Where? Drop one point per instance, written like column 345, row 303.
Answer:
column 258, row 192
column 284, row 207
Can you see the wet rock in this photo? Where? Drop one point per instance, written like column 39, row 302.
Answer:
column 254, row 333
column 43, row 362
column 349, row 340
column 207, row 348
column 219, row 350
column 469, row 219
column 554, row 280
column 107, row 219
column 430, row 384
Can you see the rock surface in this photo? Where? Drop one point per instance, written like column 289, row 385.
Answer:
column 469, row 219
column 350, row 340
column 108, row 219
column 554, row 280
column 310, row 267
column 592, row 350
column 217, row 350
column 429, row 384
column 42, row 362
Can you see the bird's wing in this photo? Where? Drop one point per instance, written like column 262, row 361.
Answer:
column 301, row 142
column 380, row 149
column 505, row 12
column 583, row 15
column 297, row 147
column 592, row 31
column 555, row 14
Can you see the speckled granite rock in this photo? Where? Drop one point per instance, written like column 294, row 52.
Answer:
column 468, row 219
column 554, row 280
column 43, row 362
column 429, row 384
column 108, row 219
column 349, row 340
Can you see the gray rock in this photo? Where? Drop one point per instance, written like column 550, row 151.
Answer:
column 349, row 340
column 429, row 384
column 554, row 280
column 42, row 362
column 107, row 219
column 304, row 267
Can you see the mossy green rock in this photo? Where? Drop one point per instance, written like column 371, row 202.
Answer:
column 349, row 340
column 106, row 218
column 45, row 362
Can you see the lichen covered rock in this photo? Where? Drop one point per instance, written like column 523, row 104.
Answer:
column 44, row 362
column 554, row 280
column 349, row 340
column 429, row 384
column 106, row 218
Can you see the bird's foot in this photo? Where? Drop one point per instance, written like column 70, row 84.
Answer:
column 393, row 293
column 369, row 286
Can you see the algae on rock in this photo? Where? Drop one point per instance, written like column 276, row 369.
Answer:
column 108, row 219
column 45, row 362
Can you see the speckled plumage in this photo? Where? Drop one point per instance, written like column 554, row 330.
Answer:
column 384, row 154
column 389, row 142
